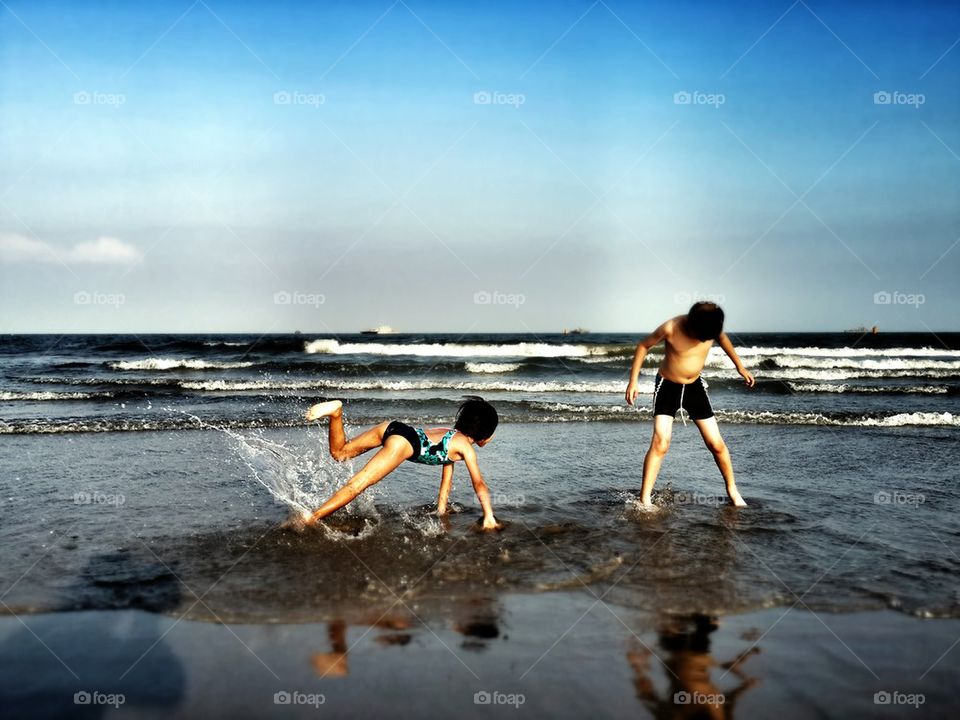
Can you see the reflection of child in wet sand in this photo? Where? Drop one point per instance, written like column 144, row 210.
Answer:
column 475, row 424
column 334, row 663
column 680, row 388
column 693, row 693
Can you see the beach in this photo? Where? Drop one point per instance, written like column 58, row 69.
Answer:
column 144, row 487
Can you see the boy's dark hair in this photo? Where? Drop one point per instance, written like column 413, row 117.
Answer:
column 476, row 418
column 704, row 321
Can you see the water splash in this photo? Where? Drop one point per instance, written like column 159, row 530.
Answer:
column 300, row 475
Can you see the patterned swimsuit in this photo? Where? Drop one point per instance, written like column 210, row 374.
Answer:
column 424, row 452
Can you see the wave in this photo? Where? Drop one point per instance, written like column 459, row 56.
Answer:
column 793, row 361
column 944, row 419
column 177, row 364
column 50, row 396
column 92, row 425
column 844, row 374
column 810, row 351
column 512, row 413
column 546, row 386
column 521, row 349
column 891, row 389
column 492, row 367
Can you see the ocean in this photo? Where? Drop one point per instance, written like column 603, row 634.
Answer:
column 152, row 474
column 196, row 446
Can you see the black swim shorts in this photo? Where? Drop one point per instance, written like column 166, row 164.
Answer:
column 669, row 397
column 407, row 433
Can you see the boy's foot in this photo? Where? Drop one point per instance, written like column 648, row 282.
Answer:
column 324, row 409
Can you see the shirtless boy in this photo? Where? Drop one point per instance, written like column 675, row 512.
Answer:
column 680, row 388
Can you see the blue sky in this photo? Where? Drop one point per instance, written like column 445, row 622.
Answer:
column 218, row 166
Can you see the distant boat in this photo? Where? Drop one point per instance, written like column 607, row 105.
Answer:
column 575, row 331
column 864, row 330
column 379, row 330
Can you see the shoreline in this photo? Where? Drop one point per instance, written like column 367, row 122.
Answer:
column 563, row 653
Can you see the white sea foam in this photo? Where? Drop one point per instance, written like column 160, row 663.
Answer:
column 795, row 361
column 177, row 364
column 492, row 367
column 800, row 418
column 546, row 386
column 523, row 349
column 843, row 388
column 50, row 396
column 762, row 351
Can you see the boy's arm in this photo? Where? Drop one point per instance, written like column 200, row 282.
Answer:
column 480, row 488
column 446, row 481
column 727, row 346
column 643, row 347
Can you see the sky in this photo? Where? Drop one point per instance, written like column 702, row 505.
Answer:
column 217, row 166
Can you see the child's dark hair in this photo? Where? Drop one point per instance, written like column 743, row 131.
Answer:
column 476, row 418
column 704, row 321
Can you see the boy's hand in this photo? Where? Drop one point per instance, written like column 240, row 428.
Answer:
column 632, row 392
column 748, row 378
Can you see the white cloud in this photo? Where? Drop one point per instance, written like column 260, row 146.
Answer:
column 102, row 251
column 17, row 248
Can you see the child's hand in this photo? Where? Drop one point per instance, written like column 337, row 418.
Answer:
column 632, row 392
column 748, row 378
column 491, row 523
column 298, row 521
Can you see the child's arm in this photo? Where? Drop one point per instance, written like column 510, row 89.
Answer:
column 480, row 488
column 446, row 481
column 727, row 346
column 643, row 347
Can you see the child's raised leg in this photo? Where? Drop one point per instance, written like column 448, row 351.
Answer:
column 714, row 442
column 659, row 444
column 340, row 448
column 389, row 457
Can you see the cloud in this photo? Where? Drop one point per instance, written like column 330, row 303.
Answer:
column 102, row 251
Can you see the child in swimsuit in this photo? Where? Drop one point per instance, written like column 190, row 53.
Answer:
column 475, row 424
column 680, row 389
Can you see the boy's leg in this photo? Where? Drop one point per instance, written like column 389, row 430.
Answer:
column 714, row 442
column 394, row 452
column 659, row 444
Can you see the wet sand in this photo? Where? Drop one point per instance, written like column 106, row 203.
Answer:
column 565, row 655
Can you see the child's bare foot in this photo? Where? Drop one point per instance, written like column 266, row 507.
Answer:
column 737, row 501
column 324, row 409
